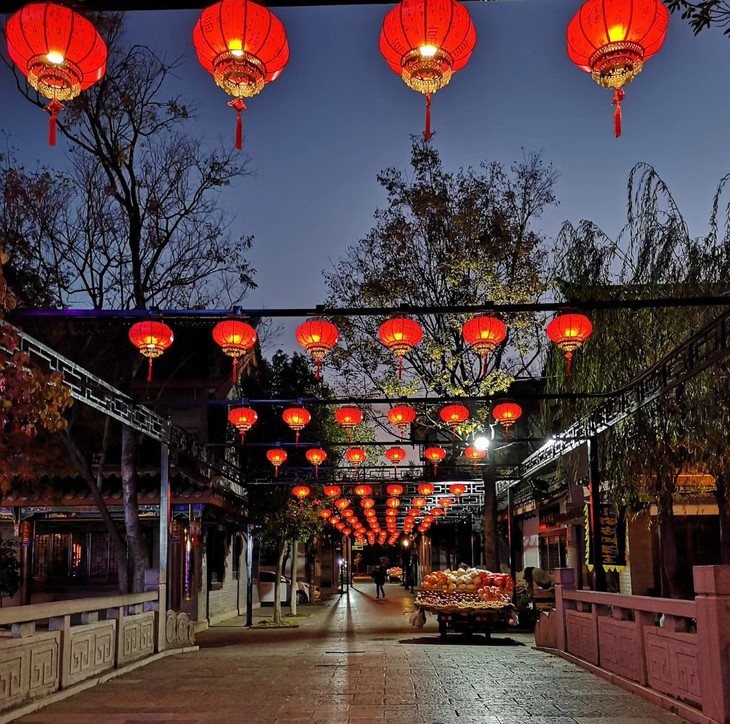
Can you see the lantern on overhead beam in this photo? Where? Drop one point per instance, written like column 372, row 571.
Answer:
column 434, row 455
column 453, row 416
column 318, row 337
column 243, row 419
column 507, row 414
column 235, row 338
column 484, row 335
column 277, row 456
column 569, row 332
column 316, row 456
column 400, row 336
column 151, row 338
column 401, row 417
column 296, row 418
column 348, row 418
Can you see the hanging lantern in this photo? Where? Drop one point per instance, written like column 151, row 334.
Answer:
column 392, row 502
column 296, row 418
column 474, row 454
column 483, row 335
column 367, row 503
column 414, row 512
column 436, row 512
column 400, row 336
column 235, row 338
column 334, row 520
column 318, row 337
column 356, row 455
column 363, row 490
column 453, row 416
column 332, row 491
column 348, row 418
column 391, row 512
column 316, row 456
column 394, row 490
column 347, row 513
column 58, row 51
column 243, row 419
column 340, row 526
column 342, row 503
column 346, row 531
column 401, row 417
column 613, row 40
column 243, row 46
column 507, row 414
column 434, row 455
column 424, row 489
column 299, row 491
column 428, row 519
column 426, row 42
column 395, row 455
column 276, row 457
column 569, row 332
column 458, row 489
column 446, row 502
column 151, row 339
column 325, row 513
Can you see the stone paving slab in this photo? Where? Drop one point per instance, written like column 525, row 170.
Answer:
column 356, row 661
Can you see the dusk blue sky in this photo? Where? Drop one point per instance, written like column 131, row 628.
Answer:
column 318, row 136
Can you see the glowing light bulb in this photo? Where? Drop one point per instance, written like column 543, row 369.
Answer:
column 617, row 33
column 236, row 48
column 427, row 51
column 54, row 57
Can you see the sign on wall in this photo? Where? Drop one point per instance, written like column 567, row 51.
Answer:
column 613, row 537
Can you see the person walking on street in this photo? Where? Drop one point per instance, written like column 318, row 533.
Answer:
column 379, row 578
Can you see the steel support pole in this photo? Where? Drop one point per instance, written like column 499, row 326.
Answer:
column 249, row 575
column 164, row 534
column 511, row 536
column 599, row 574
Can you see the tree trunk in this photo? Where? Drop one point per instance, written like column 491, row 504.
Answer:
column 277, row 582
column 293, row 594
column 311, row 552
column 723, row 504
column 672, row 584
column 135, row 550
column 491, row 542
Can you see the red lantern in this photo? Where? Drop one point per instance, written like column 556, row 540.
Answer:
column 299, row 491
column 613, row 40
column 392, row 502
column 426, row 42
column 150, row 338
column 474, row 454
column 340, row 526
column 318, row 337
column 242, row 418
column 401, row 416
column 346, row 531
column 446, row 502
column 391, row 513
column 453, row 416
column 436, row 512
column 458, row 489
column 483, row 335
column 428, row 519
column 334, row 520
column 296, row 418
column 569, row 332
column 276, row 457
column 347, row 513
column 325, row 513
column 434, row 455
column 316, row 456
column 424, row 489
column 414, row 512
column 342, row 503
column 332, row 491
column 367, row 503
column 395, row 455
column 349, row 418
column 356, row 455
column 507, row 414
column 235, row 338
column 244, row 47
column 363, row 490
column 394, row 490
column 400, row 336
column 58, row 51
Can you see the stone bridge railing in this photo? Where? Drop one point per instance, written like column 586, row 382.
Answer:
column 674, row 651
column 49, row 647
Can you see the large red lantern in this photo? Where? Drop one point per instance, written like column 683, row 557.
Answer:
column 483, row 335
column 300, row 492
column 458, row 489
column 332, row 491
column 296, row 418
column 276, row 457
column 426, row 42
column 392, row 502
column 394, row 490
column 235, row 338
column 612, row 39
column 242, row 418
column 427, row 490
column 474, row 454
column 569, row 332
column 318, row 337
column 395, row 455
column 424, row 489
column 434, row 455
column 367, row 504
column 58, row 51
column 363, row 490
column 342, row 503
column 401, row 416
column 151, row 339
column 325, row 513
column 316, row 456
column 244, row 46
column 356, row 455
column 349, row 418
column 507, row 414
column 400, row 336
column 453, row 416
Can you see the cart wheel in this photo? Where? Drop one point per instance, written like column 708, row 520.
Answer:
column 442, row 629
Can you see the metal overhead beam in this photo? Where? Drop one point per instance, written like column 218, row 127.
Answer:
column 10, row 6
column 707, row 347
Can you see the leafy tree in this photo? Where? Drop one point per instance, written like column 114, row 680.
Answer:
column 135, row 222
column 9, row 570
column 446, row 238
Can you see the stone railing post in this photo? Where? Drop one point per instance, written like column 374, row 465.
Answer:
column 63, row 624
column 564, row 578
column 712, row 588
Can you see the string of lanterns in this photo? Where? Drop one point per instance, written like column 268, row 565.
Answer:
column 244, row 47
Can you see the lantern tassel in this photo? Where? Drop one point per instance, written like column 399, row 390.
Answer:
column 484, row 367
column 149, row 370
column 242, row 435
column 618, row 96
column 238, row 105
column 427, row 133
column 318, row 362
column 506, row 433
column 54, row 107
column 276, row 471
column 235, row 369
column 296, row 439
column 400, row 367
column 316, row 472
column 569, row 357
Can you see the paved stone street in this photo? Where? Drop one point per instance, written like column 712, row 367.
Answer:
column 355, row 661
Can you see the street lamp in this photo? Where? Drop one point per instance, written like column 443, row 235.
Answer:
column 481, row 442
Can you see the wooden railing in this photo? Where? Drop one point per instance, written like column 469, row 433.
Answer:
column 678, row 648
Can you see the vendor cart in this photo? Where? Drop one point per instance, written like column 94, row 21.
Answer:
column 468, row 623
